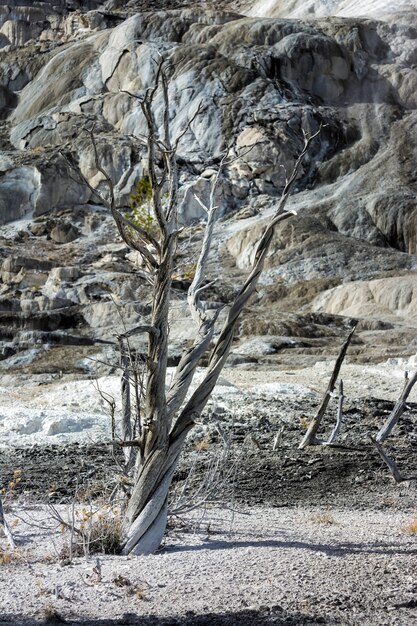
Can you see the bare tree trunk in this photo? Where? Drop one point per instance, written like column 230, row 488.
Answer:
column 7, row 531
column 145, row 519
column 339, row 418
column 310, row 438
column 398, row 409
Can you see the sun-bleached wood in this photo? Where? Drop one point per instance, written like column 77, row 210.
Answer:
column 310, row 438
column 398, row 410
column 3, row 522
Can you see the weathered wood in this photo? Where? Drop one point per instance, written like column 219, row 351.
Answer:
column 126, row 419
column 390, row 463
column 278, row 439
column 339, row 417
column 398, row 409
column 168, row 417
column 310, row 438
column 220, row 352
column 3, row 522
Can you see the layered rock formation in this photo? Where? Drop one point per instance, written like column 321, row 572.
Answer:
column 260, row 81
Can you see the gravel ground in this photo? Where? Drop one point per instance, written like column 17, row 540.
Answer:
column 319, row 536
column 270, row 566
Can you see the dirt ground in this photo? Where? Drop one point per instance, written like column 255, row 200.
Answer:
column 320, row 538
column 281, row 566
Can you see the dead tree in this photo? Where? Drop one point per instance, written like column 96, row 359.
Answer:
column 310, row 438
column 168, row 416
column 398, row 410
column 391, row 421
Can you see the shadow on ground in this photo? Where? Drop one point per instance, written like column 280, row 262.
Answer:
column 340, row 549
column 275, row 616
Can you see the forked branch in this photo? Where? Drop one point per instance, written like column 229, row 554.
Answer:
column 390, row 463
column 220, row 352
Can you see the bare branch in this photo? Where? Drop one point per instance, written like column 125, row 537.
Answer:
column 141, row 231
column 390, row 463
column 199, row 110
column 398, row 409
column 111, row 206
column 144, row 328
column 223, row 343
column 186, row 368
column 4, row 524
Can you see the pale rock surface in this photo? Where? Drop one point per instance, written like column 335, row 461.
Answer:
column 385, row 298
column 378, row 9
column 259, row 80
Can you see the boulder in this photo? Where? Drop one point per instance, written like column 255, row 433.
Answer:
column 17, row 191
column 64, row 232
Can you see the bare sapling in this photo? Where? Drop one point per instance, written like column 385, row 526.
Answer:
column 310, row 438
column 168, row 415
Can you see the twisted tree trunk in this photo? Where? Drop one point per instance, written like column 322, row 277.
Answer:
column 167, row 418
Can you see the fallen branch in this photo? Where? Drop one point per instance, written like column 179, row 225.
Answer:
column 390, row 463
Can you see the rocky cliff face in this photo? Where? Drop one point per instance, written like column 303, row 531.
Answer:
column 260, row 81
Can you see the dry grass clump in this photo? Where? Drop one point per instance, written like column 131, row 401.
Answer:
column 411, row 527
column 6, row 557
column 50, row 614
column 92, row 531
column 129, row 587
column 324, row 517
column 105, row 532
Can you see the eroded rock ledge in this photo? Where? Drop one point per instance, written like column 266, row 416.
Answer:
column 260, row 80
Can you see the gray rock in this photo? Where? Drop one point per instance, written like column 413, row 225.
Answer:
column 259, row 83
column 64, row 232
column 17, row 190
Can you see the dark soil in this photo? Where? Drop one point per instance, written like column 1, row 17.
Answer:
column 270, row 616
column 350, row 474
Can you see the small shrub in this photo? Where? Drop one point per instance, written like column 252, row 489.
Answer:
column 104, row 533
column 202, row 444
column 50, row 614
column 5, row 557
column 130, row 588
column 93, row 532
